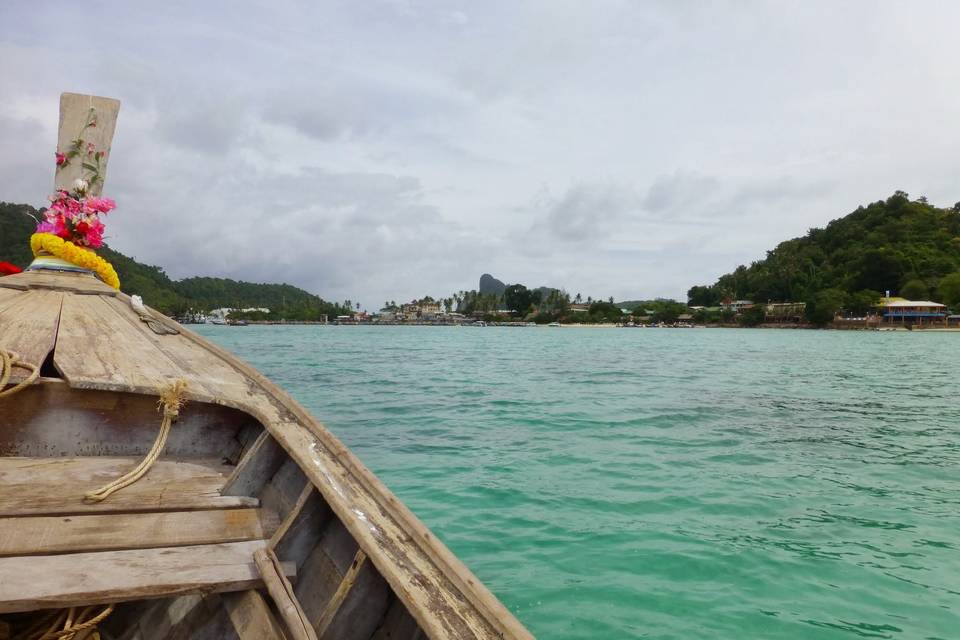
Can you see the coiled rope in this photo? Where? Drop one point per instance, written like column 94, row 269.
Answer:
column 170, row 401
column 8, row 361
column 65, row 624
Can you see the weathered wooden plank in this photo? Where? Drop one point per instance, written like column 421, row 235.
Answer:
column 69, row 281
column 28, row 327
column 398, row 624
column 77, row 579
column 317, row 582
column 257, row 466
column 251, row 617
column 212, row 379
column 75, row 113
column 281, row 591
column 8, row 297
column 333, row 605
column 98, row 349
column 50, row 419
column 281, row 493
column 301, row 529
column 70, row 534
column 52, row 486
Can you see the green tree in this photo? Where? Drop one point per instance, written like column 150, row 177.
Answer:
column 949, row 290
column 700, row 296
column 601, row 311
column 863, row 302
column 753, row 316
column 824, row 305
column 519, row 299
column 915, row 289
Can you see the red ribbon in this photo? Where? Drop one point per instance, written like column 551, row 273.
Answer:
column 7, row 269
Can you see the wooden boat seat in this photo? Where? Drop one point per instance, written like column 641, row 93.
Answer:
column 55, row 486
column 77, row 579
column 168, row 534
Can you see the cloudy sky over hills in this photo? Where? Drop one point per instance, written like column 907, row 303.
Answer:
column 385, row 150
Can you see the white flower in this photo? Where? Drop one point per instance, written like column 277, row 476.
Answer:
column 80, row 186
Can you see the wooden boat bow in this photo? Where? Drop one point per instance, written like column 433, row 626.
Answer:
column 102, row 369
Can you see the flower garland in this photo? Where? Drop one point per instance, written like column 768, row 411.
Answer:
column 80, row 256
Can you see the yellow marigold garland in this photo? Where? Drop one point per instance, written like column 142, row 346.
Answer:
column 66, row 250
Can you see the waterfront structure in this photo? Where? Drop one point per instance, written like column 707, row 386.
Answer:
column 913, row 312
column 784, row 311
column 737, row 306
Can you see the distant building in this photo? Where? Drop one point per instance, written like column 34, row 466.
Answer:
column 579, row 308
column 429, row 309
column 910, row 312
column 737, row 306
column 784, row 311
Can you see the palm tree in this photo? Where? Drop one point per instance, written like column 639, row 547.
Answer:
column 578, row 298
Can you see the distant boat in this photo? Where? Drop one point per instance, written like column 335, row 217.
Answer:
column 218, row 321
column 554, row 324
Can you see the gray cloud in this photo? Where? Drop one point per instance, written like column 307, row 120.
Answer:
column 392, row 149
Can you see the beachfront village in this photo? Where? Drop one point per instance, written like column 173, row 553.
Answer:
column 518, row 306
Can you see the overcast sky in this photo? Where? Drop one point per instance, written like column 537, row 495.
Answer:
column 386, row 150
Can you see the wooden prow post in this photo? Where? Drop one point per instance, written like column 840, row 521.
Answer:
column 86, row 132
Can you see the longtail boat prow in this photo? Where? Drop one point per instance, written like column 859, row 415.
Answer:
column 153, row 486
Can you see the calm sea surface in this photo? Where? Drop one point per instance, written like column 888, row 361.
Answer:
column 661, row 483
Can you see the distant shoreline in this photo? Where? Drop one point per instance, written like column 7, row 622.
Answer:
column 519, row 325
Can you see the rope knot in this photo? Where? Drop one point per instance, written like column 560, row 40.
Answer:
column 171, row 399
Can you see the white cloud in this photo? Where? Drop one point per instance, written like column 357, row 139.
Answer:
column 392, row 149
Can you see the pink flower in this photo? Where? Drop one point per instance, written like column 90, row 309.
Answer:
column 101, row 205
column 90, row 148
column 61, row 159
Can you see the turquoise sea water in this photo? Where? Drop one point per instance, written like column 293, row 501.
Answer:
column 661, row 483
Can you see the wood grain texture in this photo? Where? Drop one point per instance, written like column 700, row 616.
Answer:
column 281, row 591
column 251, row 617
column 336, row 600
column 28, row 327
column 300, row 530
column 68, row 281
column 97, row 348
column 398, row 624
column 76, row 533
column 74, row 110
column 50, row 419
column 8, row 297
column 55, row 486
column 76, row 579
column 257, row 466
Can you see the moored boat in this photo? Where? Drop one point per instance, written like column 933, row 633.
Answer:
column 233, row 513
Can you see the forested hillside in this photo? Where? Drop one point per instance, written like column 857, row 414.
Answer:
column 17, row 223
column 908, row 247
